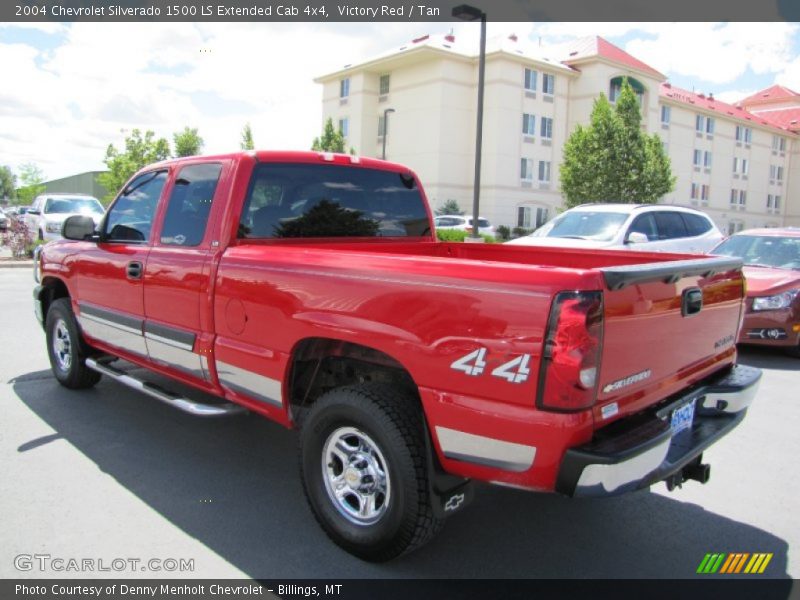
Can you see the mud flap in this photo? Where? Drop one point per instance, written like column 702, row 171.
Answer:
column 449, row 493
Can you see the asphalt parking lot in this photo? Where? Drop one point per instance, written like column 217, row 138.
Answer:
column 108, row 473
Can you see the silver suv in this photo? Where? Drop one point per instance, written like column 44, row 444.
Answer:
column 644, row 227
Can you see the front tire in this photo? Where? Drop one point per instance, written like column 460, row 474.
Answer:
column 66, row 348
column 364, row 471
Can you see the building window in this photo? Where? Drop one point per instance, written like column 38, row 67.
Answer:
column 544, row 171
column 744, row 134
column 697, row 158
column 531, row 217
column 745, row 166
column 665, row 114
column 779, row 143
column 707, row 159
column 779, row 174
column 741, row 165
column 528, row 124
column 699, row 123
column 526, row 169
column 734, row 227
column 548, row 83
column 384, row 85
column 695, row 191
column 381, row 126
column 709, row 125
column 344, row 88
column 773, row 203
column 705, row 193
column 738, row 198
column 530, row 80
column 344, row 127
column 547, row 128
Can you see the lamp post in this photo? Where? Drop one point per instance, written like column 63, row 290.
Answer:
column 385, row 130
column 465, row 12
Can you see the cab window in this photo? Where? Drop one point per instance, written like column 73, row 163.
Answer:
column 190, row 205
column 130, row 219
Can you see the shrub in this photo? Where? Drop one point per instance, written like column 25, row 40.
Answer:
column 17, row 238
column 503, row 232
column 457, row 235
column 520, row 231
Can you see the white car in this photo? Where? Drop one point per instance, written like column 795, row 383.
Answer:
column 643, row 227
column 49, row 211
column 463, row 224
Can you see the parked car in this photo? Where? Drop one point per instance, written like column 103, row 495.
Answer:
column 772, row 269
column 49, row 211
column 3, row 220
column 643, row 227
column 463, row 224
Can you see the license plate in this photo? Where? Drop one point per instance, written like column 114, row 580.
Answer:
column 682, row 418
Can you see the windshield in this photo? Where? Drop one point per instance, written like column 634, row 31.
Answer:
column 583, row 224
column 73, row 205
column 763, row 250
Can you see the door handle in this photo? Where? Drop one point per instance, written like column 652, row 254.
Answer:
column 134, row 270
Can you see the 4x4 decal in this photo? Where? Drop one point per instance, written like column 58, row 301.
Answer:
column 515, row 370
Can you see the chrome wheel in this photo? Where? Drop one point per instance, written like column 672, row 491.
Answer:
column 62, row 346
column 356, row 476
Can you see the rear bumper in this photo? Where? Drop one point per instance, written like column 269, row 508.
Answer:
column 638, row 452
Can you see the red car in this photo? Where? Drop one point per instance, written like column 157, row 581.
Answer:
column 772, row 268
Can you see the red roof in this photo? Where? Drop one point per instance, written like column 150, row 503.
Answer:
column 710, row 103
column 775, row 93
column 788, row 118
column 597, row 46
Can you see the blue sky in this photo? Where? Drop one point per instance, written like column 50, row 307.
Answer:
column 75, row 88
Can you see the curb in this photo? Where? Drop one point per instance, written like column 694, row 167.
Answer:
column 16, row 264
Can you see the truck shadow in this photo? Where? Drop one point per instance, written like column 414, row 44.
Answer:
column 233, row 485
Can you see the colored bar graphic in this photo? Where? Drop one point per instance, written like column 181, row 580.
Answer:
column 734, row 563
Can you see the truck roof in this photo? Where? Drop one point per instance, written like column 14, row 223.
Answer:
column 295, row 156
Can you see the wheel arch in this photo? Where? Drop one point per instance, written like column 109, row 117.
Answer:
column 50, row 290
column 318, row 364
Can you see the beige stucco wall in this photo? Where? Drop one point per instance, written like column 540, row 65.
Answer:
column 433, row 132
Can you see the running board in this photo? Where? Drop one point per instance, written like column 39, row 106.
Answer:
column 198, row 409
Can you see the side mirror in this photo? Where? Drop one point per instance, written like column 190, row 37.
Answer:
column 77, row 227
column 32, row 212
column 636, row 237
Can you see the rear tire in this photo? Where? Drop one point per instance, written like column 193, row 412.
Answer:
column 364, row 471
column 66, row 348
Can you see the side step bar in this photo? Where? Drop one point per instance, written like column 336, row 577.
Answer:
column 151, row 389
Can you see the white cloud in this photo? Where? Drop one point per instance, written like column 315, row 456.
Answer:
column 717, row 53
column 68, row 102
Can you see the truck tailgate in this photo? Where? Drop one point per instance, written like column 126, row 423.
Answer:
column 667, row 326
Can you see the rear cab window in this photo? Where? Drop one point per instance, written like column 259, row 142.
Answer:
column 189, row 204
column 298, row 200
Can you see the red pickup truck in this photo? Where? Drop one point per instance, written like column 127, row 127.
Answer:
column 310, row 288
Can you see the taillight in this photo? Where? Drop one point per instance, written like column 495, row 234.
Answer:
column 570, row 363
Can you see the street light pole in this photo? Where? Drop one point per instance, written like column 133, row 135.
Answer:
column 470, row 13
column 385, row 130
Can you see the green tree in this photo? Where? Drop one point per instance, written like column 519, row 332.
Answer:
column 8, row 183
column 331, row 140
column 247, row 142
column 450, row 207
column 139, row 152
column 612, row 159
column 30, row 179
column 187, row 142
